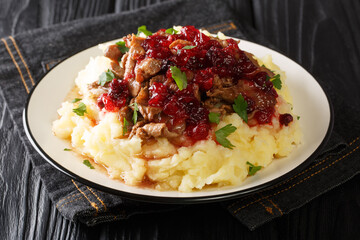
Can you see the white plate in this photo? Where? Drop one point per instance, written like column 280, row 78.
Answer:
column 309, row 100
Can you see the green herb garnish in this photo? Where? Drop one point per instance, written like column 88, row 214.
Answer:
column 142, row 29
column 80, row 110
column 179, row 77
column 214, row 117
column 252, row 168
column 67, row 149
column 124, row 128
column 298, row 117
column 122, row 47
column 87, row 163
column 188, row 47
column 222, row 133
column 171, row 31
column 76, row 100
column 276, row 81
column 105, row 77
column 135, row 116
column 240, row 106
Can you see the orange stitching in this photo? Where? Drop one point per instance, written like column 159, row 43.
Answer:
column 356, row 139
column 233, row 25
column 22, row 59
column 217, row 26
column 282, row 183
column 98, row 198
column 297, row 183
column 224, row 29
column 91, row 203
column 63, row 199
column 276, row 206
column 268, row 209
column 15, row 63
column 69, row 202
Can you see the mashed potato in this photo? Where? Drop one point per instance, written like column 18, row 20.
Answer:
column 98, row 135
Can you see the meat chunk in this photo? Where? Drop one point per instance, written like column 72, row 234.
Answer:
column 134, row 43
column 147, row 68
column 260, row 99
column 136, row 127
column 158, row 78
column 113, row 53
column 154, row 130
column 148, row 112
column 129, row 64
column 117, row 70
column 259, row 68
column 217, row 106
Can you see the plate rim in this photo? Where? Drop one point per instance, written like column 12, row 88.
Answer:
column 169, row 199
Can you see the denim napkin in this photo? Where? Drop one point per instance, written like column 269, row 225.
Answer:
column 26, row 57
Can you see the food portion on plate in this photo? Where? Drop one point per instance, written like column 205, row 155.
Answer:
column 179, row 109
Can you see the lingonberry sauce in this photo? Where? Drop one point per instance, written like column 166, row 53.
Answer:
column 116, row 97
column 205, row 58
column 285, row 119
column 201, row 58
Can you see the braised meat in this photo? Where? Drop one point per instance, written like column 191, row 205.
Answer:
column 167, row 84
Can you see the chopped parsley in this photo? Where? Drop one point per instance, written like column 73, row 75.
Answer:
column 88, row 163
column 122, row 47
column 222, row 133
column 80, row 110
column 142, row 29
column 214, row 117
column 253, row 169
column 76, row 100
column 188, row 47
column 298, row 117
column 240, row 106
column 67, row 149
column 135, row 116
column 276, row 81
column 171, row 31
column 124, row 128
column 179, row 77
column 105, row 77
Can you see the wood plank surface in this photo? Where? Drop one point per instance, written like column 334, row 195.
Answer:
column 27, row 213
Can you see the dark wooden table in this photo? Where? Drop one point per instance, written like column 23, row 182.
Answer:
column 25, row 208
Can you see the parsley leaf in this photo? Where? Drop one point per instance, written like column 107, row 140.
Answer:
column 240, row 106
column 179, row 77
column 276, row 81
column 67, row 149
column 80, row 110
column 76, row 100
column 188, row 47
column 253, row 169
column 88, row 163
column 142, row 29
column 214, row 117
column 122, row 47
column 135, row 116
column 105, row 77
column 171, row 31
column 298, row 117
column 222, row 133
column 124, row 128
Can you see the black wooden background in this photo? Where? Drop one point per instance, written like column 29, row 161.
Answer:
column 26, row 211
